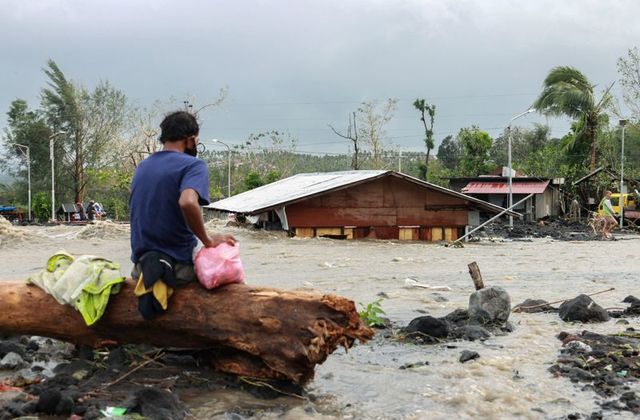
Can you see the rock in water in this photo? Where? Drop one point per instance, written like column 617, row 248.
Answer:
column 531, row 306
column 155, row 404
column 12, row 361
column 490, row 306
column 429, row 325
column 467, row 355
column 474, row 332
column 583, row 309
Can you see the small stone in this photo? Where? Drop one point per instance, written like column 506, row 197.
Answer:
column 467, row 355
column 12, row 360
column 631, row 299
column 437, row 297
column 30, row 407
column 576, row 347
column 65, row 406
column 622, row 322
column 32, row 345
column 530, row 306
column 628, row 396
column 577, row 374
column 475, row 332
column 48, row 401
column 11, row 347
column 117, row 358
column 413, row 365
column 428, row 325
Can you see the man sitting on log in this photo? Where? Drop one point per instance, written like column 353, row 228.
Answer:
column 167, row 191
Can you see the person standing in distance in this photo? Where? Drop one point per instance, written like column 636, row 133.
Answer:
column 167, row 191
column 610, row 221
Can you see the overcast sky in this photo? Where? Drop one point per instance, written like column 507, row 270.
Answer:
column 297, row 65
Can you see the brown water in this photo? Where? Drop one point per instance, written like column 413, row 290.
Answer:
column 509, row 380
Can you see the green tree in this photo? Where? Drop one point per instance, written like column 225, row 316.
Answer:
column 423, row 107
column 27, row 127
column 524, row 142
column 93, row 122
column 41, row 206
column 476, row 144
column 272, row 176
column 449, row 152
column 546, row 162
column 253, row 180
column 566, row 91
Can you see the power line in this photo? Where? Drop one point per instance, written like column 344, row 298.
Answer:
column 432, row 98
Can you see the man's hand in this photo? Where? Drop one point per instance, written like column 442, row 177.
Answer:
column 219, row 238
column 193, row 216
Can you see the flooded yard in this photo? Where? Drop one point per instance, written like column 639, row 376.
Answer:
column 388, row 378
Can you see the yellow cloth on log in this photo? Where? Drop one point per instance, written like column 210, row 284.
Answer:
column 161, row 292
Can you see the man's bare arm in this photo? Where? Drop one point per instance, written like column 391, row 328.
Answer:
column 193, row 217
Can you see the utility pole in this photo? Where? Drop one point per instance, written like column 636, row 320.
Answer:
column 27, row 155
column 228, row 165
column 510, row 205
column 53, row 178
column 623, row 123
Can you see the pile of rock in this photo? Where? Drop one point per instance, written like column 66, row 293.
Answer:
column 605, row 364
column 488, row 313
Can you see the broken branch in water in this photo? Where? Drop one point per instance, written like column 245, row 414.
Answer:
column 519, row 308
column 474, row 272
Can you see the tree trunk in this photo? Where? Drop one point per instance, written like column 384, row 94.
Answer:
column 592, row 136
column 426, row 164
column 251, row 331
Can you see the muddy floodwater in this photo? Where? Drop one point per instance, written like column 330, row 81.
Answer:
column 509, row 380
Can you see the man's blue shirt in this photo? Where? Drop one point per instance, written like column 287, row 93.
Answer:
column 157, row 223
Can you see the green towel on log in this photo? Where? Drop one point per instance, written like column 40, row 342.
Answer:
column 85, row 282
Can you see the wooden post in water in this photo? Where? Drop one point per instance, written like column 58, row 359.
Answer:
column 474, row 272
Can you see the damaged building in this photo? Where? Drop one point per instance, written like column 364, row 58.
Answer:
column 358, row 204
column 546, row 200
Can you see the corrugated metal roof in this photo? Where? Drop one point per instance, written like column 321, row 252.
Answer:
column 489, row 187
column 303, row 186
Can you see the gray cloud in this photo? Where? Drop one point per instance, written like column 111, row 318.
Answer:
column 299, row 65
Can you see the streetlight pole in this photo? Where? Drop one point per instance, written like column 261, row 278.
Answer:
column 228, row 165
column 53, row 180
column 528, row 111
column 623, row 123
column 27, row 155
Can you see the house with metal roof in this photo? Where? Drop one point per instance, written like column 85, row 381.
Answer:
column 494, row 189
column 358, row 204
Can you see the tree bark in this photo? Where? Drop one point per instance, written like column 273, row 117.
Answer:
column 476, row 276
column 251, row 331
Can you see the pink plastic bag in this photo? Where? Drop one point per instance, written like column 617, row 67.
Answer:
column 218, row 266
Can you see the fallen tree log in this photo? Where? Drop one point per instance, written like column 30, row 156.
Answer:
column 251, row 331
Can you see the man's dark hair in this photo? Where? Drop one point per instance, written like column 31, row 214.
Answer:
column 178, row 125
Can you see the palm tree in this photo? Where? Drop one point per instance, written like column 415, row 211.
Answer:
column 566, row 91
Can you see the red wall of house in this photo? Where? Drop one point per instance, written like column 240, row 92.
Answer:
column 388, row 201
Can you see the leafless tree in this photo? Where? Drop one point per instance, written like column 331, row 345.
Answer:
column 352, row 134
column 372, row 118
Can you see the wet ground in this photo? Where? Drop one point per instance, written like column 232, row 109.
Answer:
column 388, row 378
